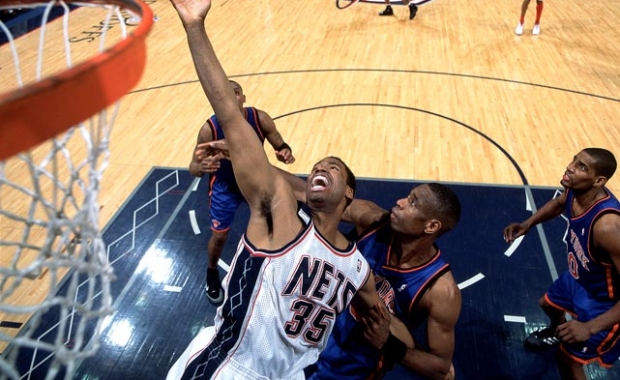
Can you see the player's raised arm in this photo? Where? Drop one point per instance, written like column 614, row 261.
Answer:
column 255, row 176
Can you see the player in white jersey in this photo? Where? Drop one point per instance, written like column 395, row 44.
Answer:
column 289, row 279
column 281, row 306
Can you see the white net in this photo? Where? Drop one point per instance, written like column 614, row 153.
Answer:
column 54, row 272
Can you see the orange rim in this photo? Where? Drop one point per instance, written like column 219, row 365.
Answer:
column 41, row 110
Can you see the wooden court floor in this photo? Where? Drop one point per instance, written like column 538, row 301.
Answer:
column 453, row 95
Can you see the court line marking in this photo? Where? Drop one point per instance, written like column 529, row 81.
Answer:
column 514, row 318
column 513, row 247
column 471, row 281
column 194, row 222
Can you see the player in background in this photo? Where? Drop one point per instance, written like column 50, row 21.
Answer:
column 590, row 289
column 411, row 4
column 539, row 9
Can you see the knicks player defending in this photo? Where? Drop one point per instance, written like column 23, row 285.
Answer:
column 289, row 278
column 590, row 290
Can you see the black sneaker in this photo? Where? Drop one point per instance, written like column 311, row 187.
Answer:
column 214, row 290
column 387, row 11
column 541, row 340
column 413, row 9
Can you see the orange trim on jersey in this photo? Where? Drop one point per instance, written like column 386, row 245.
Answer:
column 259, row 126
column 585, row 361
column 211, row 182
column 387, row 220
column 224, row 230
column 589, row 208
column 378, row 372
column 423, row 288
column 556, row 306
column 422, row 266
column 610, row 340
column 608, row 279
column 213, row 130
column 609, row 267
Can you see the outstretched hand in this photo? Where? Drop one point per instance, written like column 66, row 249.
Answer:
column 192, row 10
column 513, row 231
column 209, row 154
column 215, row 148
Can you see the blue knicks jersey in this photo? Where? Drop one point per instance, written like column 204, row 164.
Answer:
column 348, row 355
column 592, row 268
column 225, row 172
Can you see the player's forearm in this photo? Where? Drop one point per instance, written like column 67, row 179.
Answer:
column 606, row 320
column 426, row 364
column 400, row 330
column 275, row 140
column 210, row 73
column 246, row 152
column 548, row 211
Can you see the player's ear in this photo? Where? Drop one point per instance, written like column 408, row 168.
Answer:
column 600, row 181
column 433, row 226
column 349, row 194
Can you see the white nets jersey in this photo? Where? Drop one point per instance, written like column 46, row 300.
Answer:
column 279, row 309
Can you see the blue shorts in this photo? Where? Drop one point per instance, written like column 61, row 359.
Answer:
column 567, row 294
column 225, row 199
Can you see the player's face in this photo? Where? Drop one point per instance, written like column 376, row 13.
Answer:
column 327, row 183
column 239, row 95
column 413, row 215
column 580, row 174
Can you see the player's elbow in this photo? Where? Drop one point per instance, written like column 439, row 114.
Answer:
column 446, row 372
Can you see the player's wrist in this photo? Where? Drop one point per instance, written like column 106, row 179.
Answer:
column 393, row 351
column 284, row 146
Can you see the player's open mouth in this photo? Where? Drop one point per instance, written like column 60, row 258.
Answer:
column 319, row 183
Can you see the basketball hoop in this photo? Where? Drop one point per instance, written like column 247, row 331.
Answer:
column 54, row 135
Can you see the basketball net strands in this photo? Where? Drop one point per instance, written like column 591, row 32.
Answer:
column 58, row 103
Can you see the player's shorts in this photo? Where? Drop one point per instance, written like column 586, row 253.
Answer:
column 567, row 294
column 202, row 359
column 225, row 199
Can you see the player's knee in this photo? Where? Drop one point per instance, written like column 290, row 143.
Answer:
column 542, row 302
column 218, row 238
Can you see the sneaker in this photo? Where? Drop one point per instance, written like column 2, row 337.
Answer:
column 214, row 290
column 536, row 30
column 519, row 29
column 387, row 11
column 413, row 9
column 541, row 340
